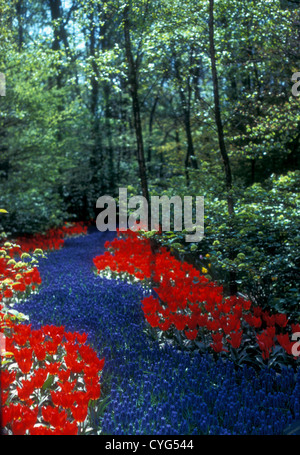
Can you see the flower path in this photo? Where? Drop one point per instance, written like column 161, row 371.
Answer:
column 147, row 389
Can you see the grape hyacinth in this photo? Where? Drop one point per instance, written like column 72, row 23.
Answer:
column 148, row 388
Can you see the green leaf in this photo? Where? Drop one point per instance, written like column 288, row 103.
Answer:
column 48, row 383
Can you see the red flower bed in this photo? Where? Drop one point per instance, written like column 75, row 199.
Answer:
column 49, row 380
column 52, row 239
column 191, row 304
column 49, row 377
column 17, row 276
column 18, row 272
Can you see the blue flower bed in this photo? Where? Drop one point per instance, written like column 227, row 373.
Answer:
column 147, row 389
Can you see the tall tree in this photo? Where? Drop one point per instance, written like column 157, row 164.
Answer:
column 133, row 84
column 218, row 118
column 222, row 146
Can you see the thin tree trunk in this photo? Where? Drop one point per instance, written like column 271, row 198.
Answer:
column 223, row 150
column 190, row 159
column 224, row 154
column 60, row 33
column 151, row 119
column 110, row 149
column 19, row 8
column 96, row 158
column 133, row 83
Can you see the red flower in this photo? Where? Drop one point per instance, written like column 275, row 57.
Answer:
column 65, row 400
column 51, row 347
column 55, row 417
column 25, row 365
column 82, row 398
column 257, row 311
column 8, row 293
column 40, row 352
column 153, row 319
column 266, row 342
column 202, row 320
column 81, row 338
column 26, row 390
column 217, row 337
column 235, row 339
column 180, row 322
column 94, row 391
column 281, row 319
column 79, row 413
column 72, row 364
column 270, row 320
column 164, row 325
column 230, row 324
column 218, row 347
column 52, row 368
column 24, row 421
column 68, row 387
column 7, row 378
column 41, row 430
column 213, row 325
column 7, row 415
column 39, row 378
column 70, row 429
column 191, row 334
column 63, row 375
column 285, row 342
column 295, row 328
column 70, row 337
column 91, row 371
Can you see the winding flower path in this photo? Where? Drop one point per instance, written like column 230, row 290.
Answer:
column 147, row 389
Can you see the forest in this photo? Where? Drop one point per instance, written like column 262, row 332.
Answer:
column 192, row 98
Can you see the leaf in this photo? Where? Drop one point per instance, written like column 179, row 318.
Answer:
column 47, row 384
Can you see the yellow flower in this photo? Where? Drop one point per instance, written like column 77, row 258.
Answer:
column 207, row 255
column 204, row 270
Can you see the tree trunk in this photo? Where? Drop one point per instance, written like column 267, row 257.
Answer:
column 133, row 83
column 96, row 158
column 109, row 147
column 190, row 159
column 225, row 158
column 19, row 8
column 151, row 119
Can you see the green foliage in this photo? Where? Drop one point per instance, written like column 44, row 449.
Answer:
column 67, row 130
column 260, row 245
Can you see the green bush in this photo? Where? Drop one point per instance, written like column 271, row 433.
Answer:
column 260, row 245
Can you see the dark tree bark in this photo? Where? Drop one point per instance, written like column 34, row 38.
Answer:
column 133, row 84
column 108, row 129
column 19, row 8
column 151, row 119
column 190, row 159
column 59, row 32
column 223, row 150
